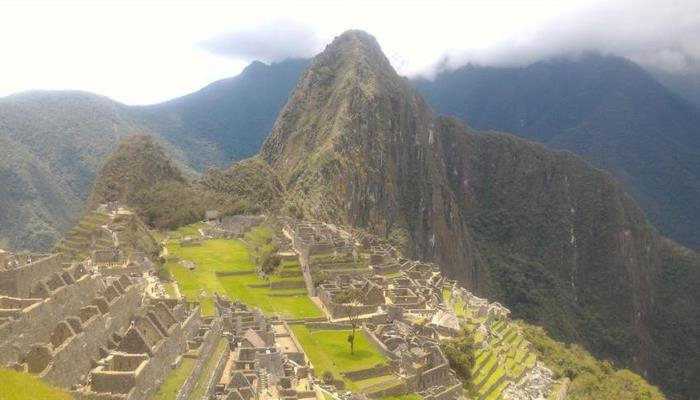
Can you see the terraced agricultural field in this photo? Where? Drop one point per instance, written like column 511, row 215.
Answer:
column 225, row 266
column 503, row 361
column 259, row 237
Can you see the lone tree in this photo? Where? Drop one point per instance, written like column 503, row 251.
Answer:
column 351, row 298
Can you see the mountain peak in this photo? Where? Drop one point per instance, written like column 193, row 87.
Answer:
column 354, row 48
column 355, row 37
column 139, row 162
column 347, row 82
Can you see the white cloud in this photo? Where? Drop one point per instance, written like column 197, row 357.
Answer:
column 272, row 41
column 151, row 50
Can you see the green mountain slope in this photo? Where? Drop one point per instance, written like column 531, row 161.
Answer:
column 555, row 239
column 606, row 109
column 141, row 175
column 52, row 146
column 53, row 143
column 229, row 119
column 589, row 379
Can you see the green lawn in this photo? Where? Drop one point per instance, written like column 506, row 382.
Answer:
column 175, row 379
column 329, row 350
column 232, row 256
column 20, row 386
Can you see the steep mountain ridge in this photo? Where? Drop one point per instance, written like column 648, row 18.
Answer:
column 607, row 110
column 227, row 120
column 559, row 241
column 350, row 138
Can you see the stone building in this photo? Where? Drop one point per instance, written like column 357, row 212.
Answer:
column 141, row 358
column 266, row 361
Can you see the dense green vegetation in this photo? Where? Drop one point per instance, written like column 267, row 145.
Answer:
column 140, row 174
column 251, row 181
column 52, row 144
column 676, row 321
column 460, row 353
column 21, row 386
column 604, row 108
column 591, row 379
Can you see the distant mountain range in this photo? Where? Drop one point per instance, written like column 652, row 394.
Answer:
column 53, row 143
column 604, row 108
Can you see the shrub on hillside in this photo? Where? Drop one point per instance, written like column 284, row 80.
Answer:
column 460, row 353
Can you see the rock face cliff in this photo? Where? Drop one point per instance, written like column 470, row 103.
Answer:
column 557, row 240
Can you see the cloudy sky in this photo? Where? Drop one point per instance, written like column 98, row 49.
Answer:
column 145, row 51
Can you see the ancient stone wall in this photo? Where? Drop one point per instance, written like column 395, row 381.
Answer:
column 19, row 282
column 368, row 373
column 155, row 371
column 35, row 323
column 397, row 390
column 287, row 285
column 438, row 375
column 378, row 343
column 341, row 310
column 206, row 351
column 74, row 359
column 449, row 393
column 218, row 371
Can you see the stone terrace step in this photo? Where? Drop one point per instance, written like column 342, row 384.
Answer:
column 345, row 265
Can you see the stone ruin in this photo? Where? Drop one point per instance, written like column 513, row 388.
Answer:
column 90, row 328
column 56, row 319
column 91, row 333
column 139, row 360
column 414, row 355
column 231, row 227
column 478, row 307
column 266, row 361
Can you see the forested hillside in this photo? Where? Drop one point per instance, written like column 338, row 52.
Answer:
column 603, row 108
column 53, row 143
